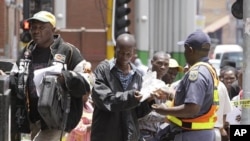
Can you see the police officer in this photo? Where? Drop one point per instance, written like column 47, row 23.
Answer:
column 192, row 113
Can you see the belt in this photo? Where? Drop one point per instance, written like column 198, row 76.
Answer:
column 181, row 131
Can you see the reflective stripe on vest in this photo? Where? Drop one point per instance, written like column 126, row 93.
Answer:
column 207, row 120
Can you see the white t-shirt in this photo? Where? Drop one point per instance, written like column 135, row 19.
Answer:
column 225, row 106
column 237, row 110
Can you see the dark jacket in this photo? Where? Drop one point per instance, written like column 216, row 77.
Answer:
column 60, row 52
column 116, row 111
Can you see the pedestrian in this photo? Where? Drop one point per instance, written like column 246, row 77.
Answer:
column 45, row 50
column 174, row 69
column 82, row 131
column 235, row 86
column 192, row 115
column 230, row 75
column 234, row 117
column 116, row 95
column 175, row 83
column 150, row 124
column 225, row 107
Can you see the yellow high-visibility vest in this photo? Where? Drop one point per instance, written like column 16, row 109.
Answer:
column 207, row 120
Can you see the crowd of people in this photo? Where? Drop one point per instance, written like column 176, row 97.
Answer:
column 105, row 103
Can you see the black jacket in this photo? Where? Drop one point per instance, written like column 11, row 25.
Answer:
column 60, row 52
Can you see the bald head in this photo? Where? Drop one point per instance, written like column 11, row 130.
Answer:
column 124, row 49
column 160, row 54
column 160, row 63
column 125, row 40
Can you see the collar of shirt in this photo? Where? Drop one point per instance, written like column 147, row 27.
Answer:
column 113, row 61
column 204, row 59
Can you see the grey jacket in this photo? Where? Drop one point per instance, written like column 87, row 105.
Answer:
column 116, row 111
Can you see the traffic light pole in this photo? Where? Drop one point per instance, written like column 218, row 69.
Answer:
column 245, row 119
column 26, row 9
column 110, row 30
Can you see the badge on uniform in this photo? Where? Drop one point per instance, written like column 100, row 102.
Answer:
column 193, row 75
column 60, row 58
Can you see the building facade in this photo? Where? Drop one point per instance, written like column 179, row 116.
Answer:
column 86, row 25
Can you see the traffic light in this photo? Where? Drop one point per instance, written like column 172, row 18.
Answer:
column 25, row 25
column 121, row 19
column 25, row 35
column 237, row 9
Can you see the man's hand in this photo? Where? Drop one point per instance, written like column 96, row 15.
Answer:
column 87, row 67
column 160, row 108
column 2, row 73
column 137, row 95
column 223, row 132
column 166, row 93
column 61, row 80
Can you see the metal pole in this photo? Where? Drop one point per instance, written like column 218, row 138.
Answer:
column 5, row 107
column 60, row 12
column 245, row 119
column 142, row 29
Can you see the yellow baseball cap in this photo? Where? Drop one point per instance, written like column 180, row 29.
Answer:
column 174, row 64
column 44, row 16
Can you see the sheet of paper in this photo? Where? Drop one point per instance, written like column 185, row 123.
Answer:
column 150, row 83
column 38, row 75
column 231, row 117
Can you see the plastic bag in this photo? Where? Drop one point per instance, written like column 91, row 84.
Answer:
column 150, row 83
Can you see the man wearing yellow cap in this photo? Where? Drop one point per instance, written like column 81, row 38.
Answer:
column 45, row 50
column 174, row 69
